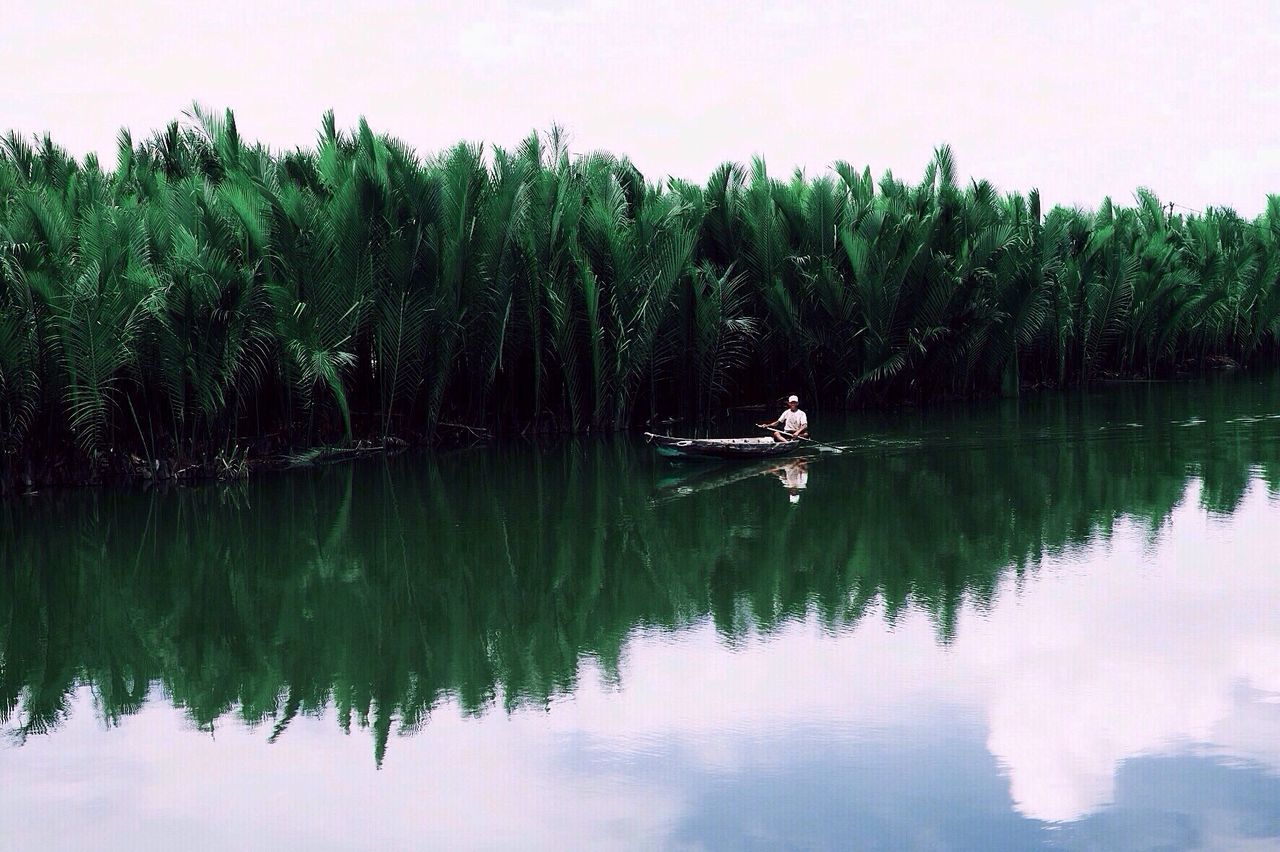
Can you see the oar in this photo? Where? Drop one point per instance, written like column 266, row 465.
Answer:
column 827, row 447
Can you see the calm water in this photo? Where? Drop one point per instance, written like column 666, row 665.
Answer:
column 1053, row 623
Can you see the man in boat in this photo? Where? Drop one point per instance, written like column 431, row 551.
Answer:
column 792, row 421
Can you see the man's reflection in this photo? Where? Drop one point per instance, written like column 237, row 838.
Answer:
column 794, row 476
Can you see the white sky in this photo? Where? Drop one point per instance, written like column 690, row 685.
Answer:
column 1081, row 99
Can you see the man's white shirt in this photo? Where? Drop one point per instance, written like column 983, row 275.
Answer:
column 793, row 421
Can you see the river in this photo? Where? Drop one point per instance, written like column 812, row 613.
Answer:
column 1044, row 623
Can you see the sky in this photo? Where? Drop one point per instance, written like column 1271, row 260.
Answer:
column 1082, row 100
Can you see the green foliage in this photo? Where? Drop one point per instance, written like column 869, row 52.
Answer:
column 209, row 292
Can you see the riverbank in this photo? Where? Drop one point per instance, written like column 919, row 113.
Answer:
column 28, row 476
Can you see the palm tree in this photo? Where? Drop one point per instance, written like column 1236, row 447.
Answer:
column 209, row 292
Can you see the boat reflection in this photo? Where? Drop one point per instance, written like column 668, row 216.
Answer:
column 792, row 473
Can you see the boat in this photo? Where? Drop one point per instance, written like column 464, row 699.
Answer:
column 721, row 448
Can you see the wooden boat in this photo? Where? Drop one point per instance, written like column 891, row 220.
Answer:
column 721, row 448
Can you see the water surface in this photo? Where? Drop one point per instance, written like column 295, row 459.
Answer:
column 1051, row 623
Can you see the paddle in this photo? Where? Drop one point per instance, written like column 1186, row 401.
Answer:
column 794, row 436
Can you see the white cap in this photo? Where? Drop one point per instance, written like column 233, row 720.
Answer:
column 793, row 398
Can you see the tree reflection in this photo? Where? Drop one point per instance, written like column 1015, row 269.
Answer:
column 382, row 589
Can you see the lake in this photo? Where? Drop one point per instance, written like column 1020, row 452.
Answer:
column 1044, row 623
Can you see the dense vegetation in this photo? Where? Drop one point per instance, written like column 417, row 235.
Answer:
column 208, row 295
column 379, row 592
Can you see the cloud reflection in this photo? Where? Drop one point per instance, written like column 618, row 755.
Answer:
column 1145, row 652
column 1126, row 648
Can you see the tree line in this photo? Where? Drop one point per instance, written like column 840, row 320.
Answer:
column 208, row 296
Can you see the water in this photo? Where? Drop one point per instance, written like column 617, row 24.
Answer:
column 1044, row 624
